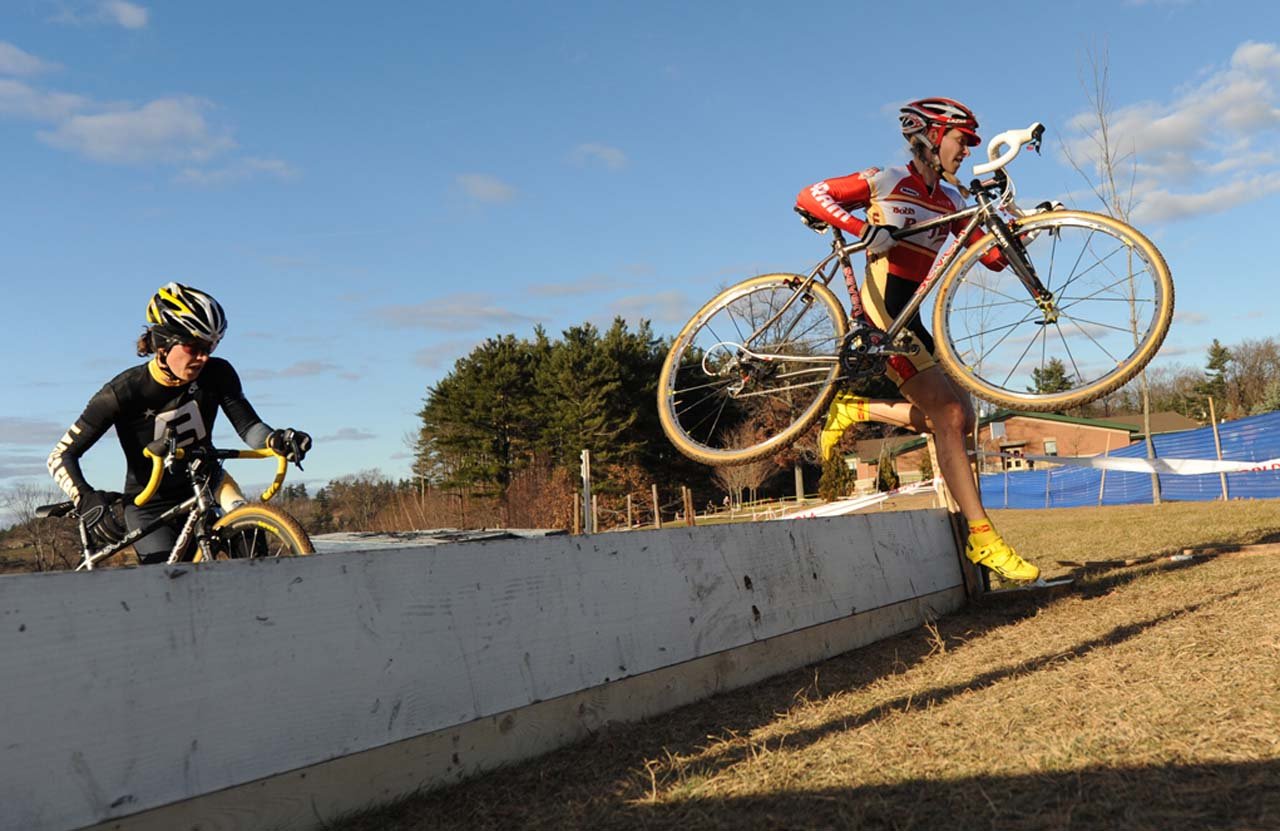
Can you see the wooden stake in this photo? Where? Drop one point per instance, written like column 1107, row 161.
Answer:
column 1217, row 446
column 657, row 512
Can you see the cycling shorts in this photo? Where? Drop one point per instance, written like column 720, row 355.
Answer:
column 884, row 296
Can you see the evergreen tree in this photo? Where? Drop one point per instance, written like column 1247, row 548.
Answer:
column 886, row 470
column 1053, row 377
column 480, row 422
column 1214, row 383
column 837, row 479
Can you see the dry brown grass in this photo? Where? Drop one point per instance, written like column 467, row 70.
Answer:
column 1148, row 697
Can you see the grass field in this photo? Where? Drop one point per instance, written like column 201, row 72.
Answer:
column 1146, row 697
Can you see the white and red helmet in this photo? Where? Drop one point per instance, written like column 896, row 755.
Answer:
column 930, row 119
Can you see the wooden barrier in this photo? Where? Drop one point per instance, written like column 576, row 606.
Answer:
column 281, row 693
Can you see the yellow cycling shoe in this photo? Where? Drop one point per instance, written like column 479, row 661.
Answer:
column 1000, row 558
column 846, row 410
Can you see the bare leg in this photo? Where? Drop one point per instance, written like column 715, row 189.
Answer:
column 948, row 416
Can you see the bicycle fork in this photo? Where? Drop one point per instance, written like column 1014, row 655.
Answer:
column 1016, row 255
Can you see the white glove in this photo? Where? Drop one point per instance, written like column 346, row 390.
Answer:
column 879, row 239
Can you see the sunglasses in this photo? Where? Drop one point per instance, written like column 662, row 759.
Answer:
column 198, row 347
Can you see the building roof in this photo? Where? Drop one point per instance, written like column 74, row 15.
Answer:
column 1164, row 422
column 868, row 450
column 1106, row 424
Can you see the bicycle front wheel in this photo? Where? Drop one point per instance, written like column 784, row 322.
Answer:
column 1110, row 308
column 256, row 531
column 752, row 370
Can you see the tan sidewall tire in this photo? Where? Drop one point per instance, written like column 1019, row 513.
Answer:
column 713, row 457
column 1048, row 403
column 277, row 520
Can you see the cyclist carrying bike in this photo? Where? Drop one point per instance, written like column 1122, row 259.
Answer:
column 940, row 132
column 178, row 392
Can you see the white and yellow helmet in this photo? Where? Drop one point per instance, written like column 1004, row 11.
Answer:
column 185, row 314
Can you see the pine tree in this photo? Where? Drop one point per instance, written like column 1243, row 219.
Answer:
column 1214, row 383
column 837, row 479
column 1053, row 377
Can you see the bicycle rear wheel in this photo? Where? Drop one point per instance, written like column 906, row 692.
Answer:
column 752, row 370
column 1110, row 311
column 257, row 531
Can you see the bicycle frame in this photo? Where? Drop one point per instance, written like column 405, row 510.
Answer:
column 826, row 269
column 987, row 210
column 199, row 507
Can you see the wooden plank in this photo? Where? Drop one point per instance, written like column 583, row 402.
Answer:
column 126, row 689
column 301, row 799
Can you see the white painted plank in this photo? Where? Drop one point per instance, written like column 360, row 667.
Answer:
column 128, row 689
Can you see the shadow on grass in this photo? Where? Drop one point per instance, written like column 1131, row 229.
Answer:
column 594, row 783
column 928, row 698
column 1242, row 795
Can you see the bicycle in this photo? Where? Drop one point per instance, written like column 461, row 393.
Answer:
column 1087, row 282
column 247, row 531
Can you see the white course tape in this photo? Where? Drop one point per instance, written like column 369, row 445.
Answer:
column 847, row 506
column 1180, row 467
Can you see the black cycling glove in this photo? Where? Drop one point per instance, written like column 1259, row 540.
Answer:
column 94, row 509
column 290, row 443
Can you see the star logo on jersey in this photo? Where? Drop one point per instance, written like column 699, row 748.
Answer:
column 149, row 414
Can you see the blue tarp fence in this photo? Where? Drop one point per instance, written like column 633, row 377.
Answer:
column 1252, row 439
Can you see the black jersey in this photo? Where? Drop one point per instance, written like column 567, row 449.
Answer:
column 141, row 408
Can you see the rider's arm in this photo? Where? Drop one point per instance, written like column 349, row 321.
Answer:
column 243, row 417
column 64, row 461
column 831, row 200
column 993, row 259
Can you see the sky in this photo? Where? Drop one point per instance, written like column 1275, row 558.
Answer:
column 373, row 189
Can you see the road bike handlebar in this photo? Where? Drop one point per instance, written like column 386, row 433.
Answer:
column 1015, row 140
column 158, row 466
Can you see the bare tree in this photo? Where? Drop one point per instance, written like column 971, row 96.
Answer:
column 53, row 541
column 1107, row 165
column 734, row 479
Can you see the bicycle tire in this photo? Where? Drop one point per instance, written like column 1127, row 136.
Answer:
column 1047, row 235
column 791, row 408
column 260, row 531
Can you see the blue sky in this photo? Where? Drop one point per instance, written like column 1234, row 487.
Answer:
column 372, row 189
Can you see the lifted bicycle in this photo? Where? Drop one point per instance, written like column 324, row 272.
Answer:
column 761, row 361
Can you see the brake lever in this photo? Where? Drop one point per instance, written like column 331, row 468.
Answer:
column 296, row 451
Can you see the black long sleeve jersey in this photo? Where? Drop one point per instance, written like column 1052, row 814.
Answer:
column 141, row 406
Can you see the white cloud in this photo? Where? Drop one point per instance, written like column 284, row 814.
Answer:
column 167, row 130
column 22, row 101
column 454, row 313
column 128, row 15
column 348, row 434
column 237, row 171
column 573, row 288
column 110, row 12
column 444, row 353
column 14, row 61
column 1160, row 205
column 671, row 307
column 1208, row 149
column 484, row 188
column 300, row 369
column 28, row 432
column 610, row 157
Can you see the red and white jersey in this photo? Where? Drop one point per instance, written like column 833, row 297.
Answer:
column 899, row 197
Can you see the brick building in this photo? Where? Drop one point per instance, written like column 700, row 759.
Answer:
column 1035, row 434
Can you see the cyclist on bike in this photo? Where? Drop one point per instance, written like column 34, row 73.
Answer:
column 177, row 392
column 940, row 132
